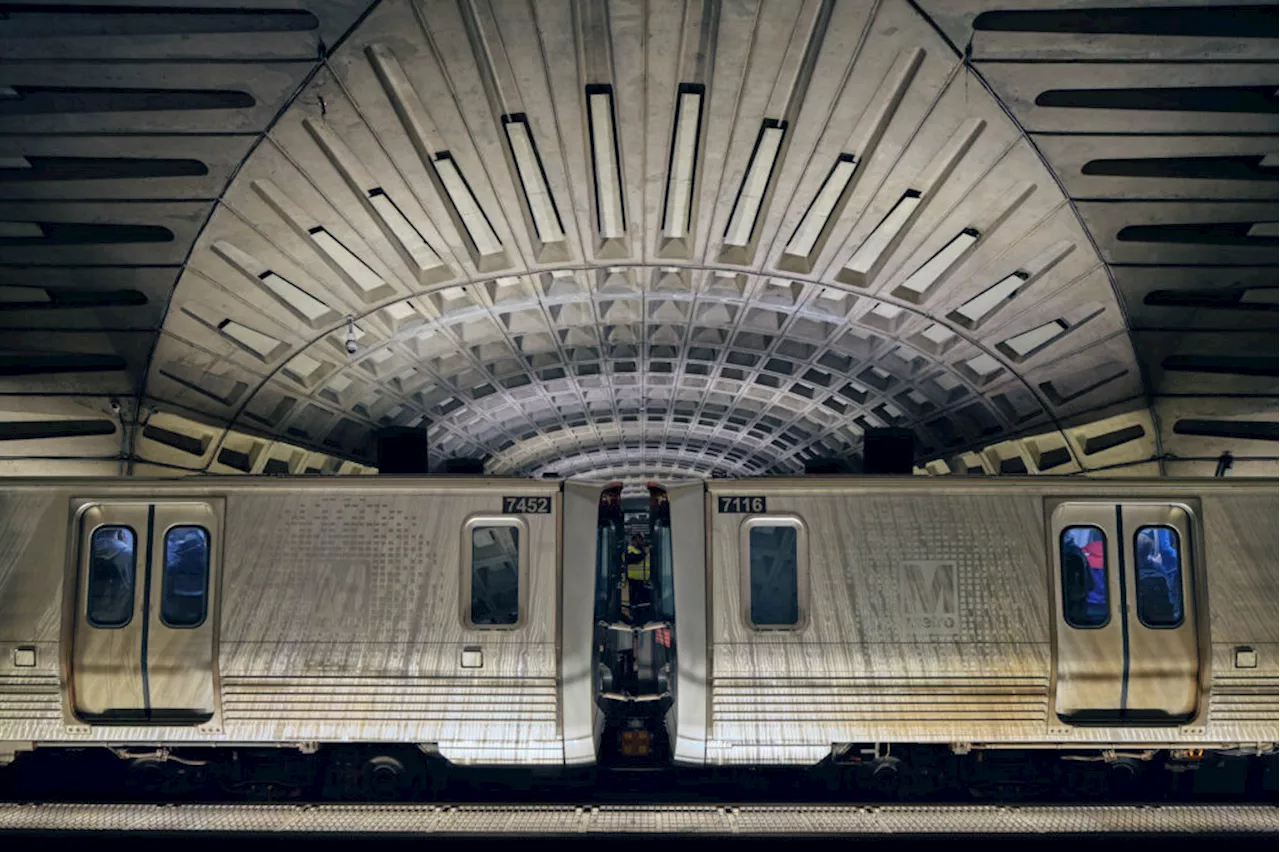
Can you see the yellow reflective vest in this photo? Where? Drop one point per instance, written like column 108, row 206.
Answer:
column 637, row 568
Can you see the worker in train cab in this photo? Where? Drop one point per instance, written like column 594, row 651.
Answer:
column 637, row 560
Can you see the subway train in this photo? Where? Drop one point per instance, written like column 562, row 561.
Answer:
column 876, row 623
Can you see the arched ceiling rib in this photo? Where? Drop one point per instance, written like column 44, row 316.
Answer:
column 687, row 238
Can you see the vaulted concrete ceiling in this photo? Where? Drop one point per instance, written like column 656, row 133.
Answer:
column 640, row 238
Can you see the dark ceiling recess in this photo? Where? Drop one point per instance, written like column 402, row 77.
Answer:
column 1201, row 22
column 80, row 234
column 48, row 100
column 1190, row 168
column 32, row 364
column 44, row 299
column 1198, row 233
column 37, row 20
column 186, row 443
column 1250, row 430
column 100, row 168
column 1230, row 298
column 402, row 449
column 889, row 450
column 1245, row 99
column 1236, row 365
column 36, row 429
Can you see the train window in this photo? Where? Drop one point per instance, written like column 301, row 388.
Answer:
column 775, row 550
column 494, row 575
column 1085, row 595
column 113, row 566
column 1158, row 555
column 184, row 586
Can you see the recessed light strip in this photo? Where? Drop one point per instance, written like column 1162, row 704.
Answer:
column 682, row 166
column 1022, row 346
column 980, row 307
column 755, row 183
column 868, row 254
column 474, row 221
column 354, row 269
column 533, row 180
column 262, row 345
column 611, row 221
column 819, row 212
column 920, row 283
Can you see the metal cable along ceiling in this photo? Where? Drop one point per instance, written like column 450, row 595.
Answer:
column 636, row 239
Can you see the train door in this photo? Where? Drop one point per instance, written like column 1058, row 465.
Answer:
column 144, row 628
column 1125, row 622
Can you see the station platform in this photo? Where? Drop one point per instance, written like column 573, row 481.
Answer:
column 442, row 820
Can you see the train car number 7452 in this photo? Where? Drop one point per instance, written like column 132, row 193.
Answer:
column 526, row 505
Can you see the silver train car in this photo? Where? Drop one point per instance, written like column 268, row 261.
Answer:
column 841, row 614
column 791, row 621
column 453, row 613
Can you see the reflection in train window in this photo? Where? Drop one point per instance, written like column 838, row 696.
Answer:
column 1159, row 568
column 1085, row 602
column 495, row 575
column 775, row 592
column 113, row 563
column 184, row 587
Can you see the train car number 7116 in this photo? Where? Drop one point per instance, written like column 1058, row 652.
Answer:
column 526, row 505
column 742, row 505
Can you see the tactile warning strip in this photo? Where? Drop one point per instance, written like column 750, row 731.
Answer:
column 641, row 819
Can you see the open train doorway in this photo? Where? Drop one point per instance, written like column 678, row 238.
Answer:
column 635, row 645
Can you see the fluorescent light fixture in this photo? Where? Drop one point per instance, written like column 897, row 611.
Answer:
column 868, row 254
column 746, row 208
column 294, row 297
column 262, row 345
column 611, row 220
column 983, row 366
column 404, row 231
column 353, row 267
column 533, row 179
column 973, row 312
column 1028, row 342
column 920, row 282
column 682, row 165
column 474, row 222
column 815, row 218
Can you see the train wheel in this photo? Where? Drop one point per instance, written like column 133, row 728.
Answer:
column 385, row 778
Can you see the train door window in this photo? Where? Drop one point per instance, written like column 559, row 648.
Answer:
column 1085, row 603
column 184, row 585
column 492, row 572
column 113, row 568
column 775, row 550
column 1158, row 552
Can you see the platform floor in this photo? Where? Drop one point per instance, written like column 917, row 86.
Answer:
column 790, row 819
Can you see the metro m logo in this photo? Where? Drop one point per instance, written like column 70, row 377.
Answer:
column 929, row 597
